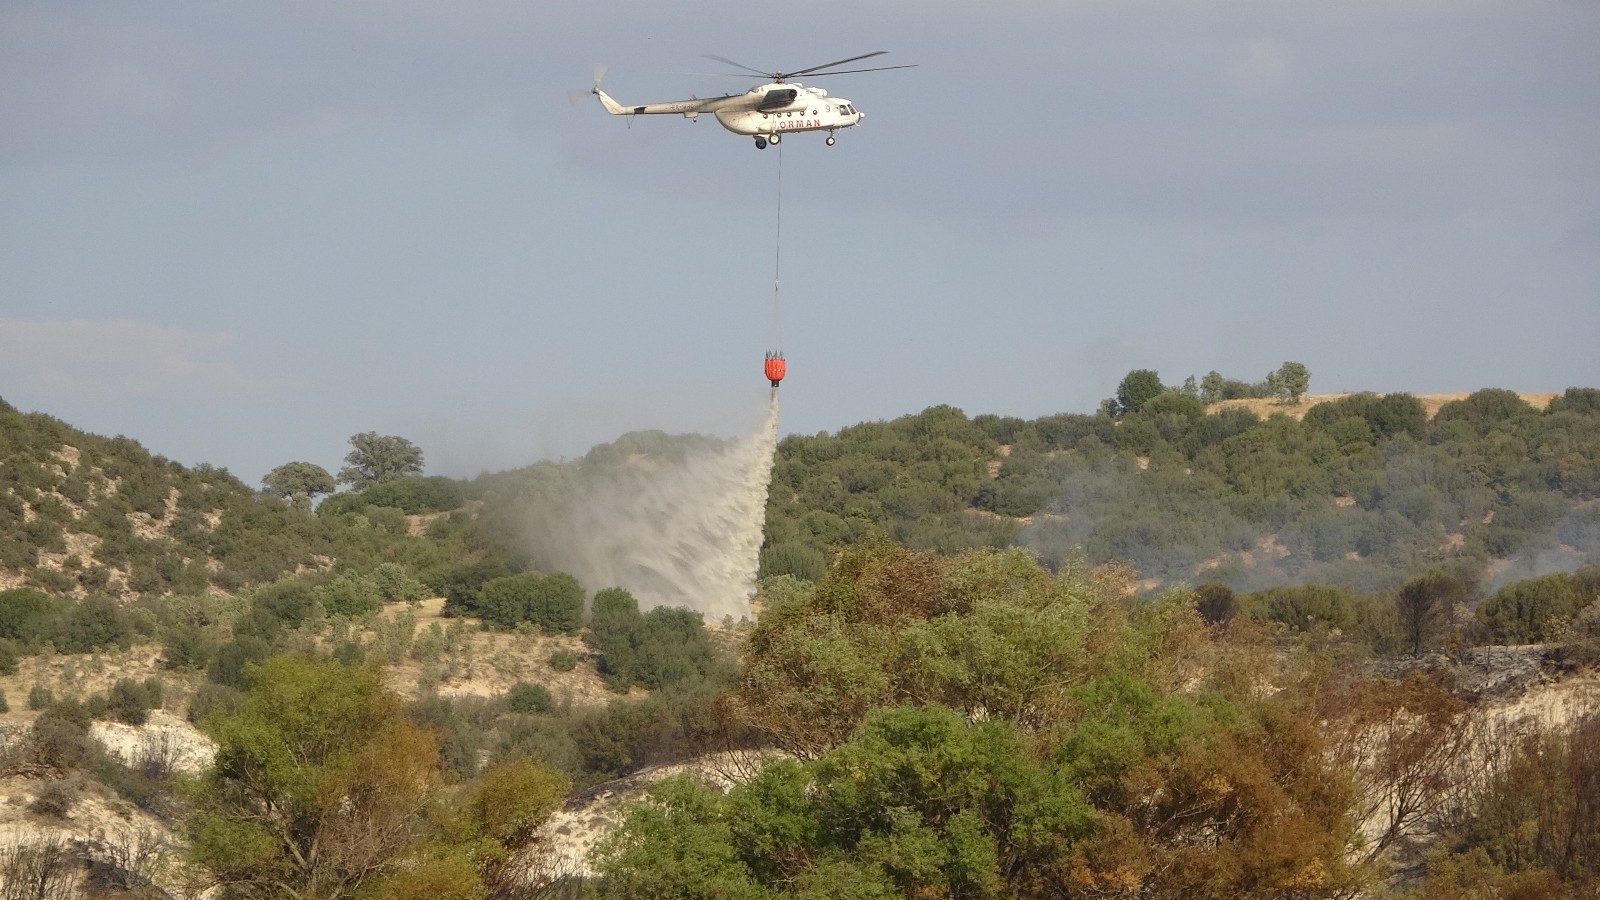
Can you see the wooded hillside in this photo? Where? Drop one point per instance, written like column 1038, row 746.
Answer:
column 1164, row 650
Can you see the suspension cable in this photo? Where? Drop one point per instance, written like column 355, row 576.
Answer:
column 777, row 256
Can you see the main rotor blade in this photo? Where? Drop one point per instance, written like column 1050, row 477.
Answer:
column 853, row 71
column 839, row 62
column 738, row 65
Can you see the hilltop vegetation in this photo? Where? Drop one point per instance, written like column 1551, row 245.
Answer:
column 1364, row 491
column 978, row 651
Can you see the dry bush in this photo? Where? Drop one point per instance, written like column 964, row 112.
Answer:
column 127, row 858
column 539, row 874
column 45, row 869
column 158, row 755
column 55, row 799
column 1537, row 805
column 1409, row 745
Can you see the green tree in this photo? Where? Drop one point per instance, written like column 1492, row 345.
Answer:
column 319, row 784
column 614, row 621
column 1289, row 383
column 299, row 483
column 1138, row 388
column 378, row 458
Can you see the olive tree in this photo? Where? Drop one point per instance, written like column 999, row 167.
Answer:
column 1290, row 382
column 378, row 458
column 298, row 482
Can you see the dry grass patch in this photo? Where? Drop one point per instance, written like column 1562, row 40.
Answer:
column 484, row 663
column 1265, row 407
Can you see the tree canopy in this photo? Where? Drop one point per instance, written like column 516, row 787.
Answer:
column 1289, row 382
column 1136, row 389
column 319, row 782
column 933, row 760
column 299, row 483
column 378, row 458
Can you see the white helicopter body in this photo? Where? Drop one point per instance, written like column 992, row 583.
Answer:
column 766, row 112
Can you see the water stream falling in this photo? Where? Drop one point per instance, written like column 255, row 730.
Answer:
column 684, row 532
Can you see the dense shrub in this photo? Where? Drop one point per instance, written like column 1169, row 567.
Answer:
column 1533, row 610
column 793, row 558
column 1381, row 416
column 95, row 623
column 60, row 739
column 40, row 697
column 1216, row 603
column 286, row 600
column 228, row 666
column 350, row 595
column 130, row 700
column 460, row 583
column 417, row 494
column 1304, row 606
column 551, row 601
column 655, row 649
column 29, row 617
column 188, row 645
column 526, row 697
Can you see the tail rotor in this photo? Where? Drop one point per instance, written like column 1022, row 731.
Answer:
column 579, row 96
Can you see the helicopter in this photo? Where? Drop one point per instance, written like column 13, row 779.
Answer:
column 766, row 112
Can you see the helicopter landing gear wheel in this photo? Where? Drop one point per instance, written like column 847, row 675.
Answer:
column 761, row 143
column 830, row 140
column 775, row 139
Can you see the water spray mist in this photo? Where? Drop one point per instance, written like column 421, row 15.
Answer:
column 684, row 532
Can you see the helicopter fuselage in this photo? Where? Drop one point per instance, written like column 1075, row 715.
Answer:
column 765, row 112
column 790, row 107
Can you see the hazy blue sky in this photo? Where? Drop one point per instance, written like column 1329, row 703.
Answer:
column 241, row 232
